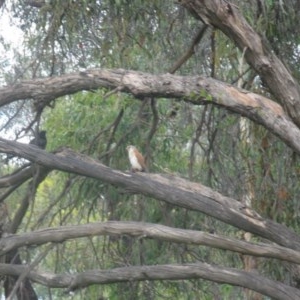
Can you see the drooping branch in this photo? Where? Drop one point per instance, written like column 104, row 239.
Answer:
column 273, row 289
column 146, row 230
column 171, row 189
column 226, row 17
column 196, row 89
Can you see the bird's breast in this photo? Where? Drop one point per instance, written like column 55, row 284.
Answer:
column 134, row 161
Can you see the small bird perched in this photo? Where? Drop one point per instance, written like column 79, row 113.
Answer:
column 136, row 159
column 40, row 140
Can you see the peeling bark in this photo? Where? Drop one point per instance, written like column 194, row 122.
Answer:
column 195, row 89
column 227, row 17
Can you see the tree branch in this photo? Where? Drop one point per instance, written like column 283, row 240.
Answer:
column 190, row 51
column 146, row 230
column 273, row 289
column 18, row 177
column 171, row 189
column 39, row 175
column 226, row 17
column 195, row 89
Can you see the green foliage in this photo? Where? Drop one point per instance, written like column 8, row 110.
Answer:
column 203, row 144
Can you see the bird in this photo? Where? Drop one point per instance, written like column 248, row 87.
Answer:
column 136, row 159
column 40, row 140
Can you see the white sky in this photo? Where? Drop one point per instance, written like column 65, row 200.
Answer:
column 12, row 35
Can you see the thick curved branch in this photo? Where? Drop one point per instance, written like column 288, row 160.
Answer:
column 17, row 177
column 171, row 189
column 44, row 90
column 146, row 230
column 227, row 18
column 196, row 89
column 253, row 281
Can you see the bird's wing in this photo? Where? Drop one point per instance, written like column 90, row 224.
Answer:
column 140, row 159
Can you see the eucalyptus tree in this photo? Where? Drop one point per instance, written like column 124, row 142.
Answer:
column 209, row 92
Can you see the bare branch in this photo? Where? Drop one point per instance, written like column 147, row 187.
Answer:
column 171, row 189
column 39, row 175
column 35, row 3
column 195, row 89
column 273, row 289
column 17, row 177
column 226, row 17
column 190, row 51
column 146, row 230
